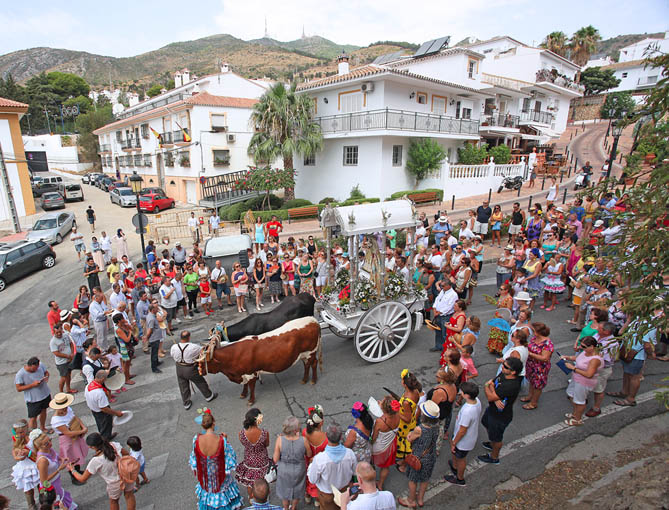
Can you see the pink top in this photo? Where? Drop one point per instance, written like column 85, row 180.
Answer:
column 582, row 362
column 470, row 368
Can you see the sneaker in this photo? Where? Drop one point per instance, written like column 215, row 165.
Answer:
column 212, row 397
column 486, row 445
column 453, row 470
column 190, row 314
column 455, row 480
column 488, row 459
column 196, row 310
column 177, row 320
column 188, row 406
column 189, row 317
column 157, row 371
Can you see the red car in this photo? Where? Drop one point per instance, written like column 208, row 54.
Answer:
column 155, row 202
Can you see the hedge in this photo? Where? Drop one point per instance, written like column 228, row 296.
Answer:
column 281, row 214
column 296, row 202
column 399, row 194
column 353, row 201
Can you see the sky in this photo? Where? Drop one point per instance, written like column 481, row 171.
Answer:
column 125, row 28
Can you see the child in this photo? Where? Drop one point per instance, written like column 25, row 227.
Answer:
column 114, row 357
column 205, row 295
column 466, row 359
column 465, row 432
column 135, row 445
column 577, row 294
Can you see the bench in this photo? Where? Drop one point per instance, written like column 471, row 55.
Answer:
column 302, row 212
column 420, row 198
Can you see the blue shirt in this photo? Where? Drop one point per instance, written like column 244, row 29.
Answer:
column 262, row 506
column 650, row 338
column 578, row 211
column 440, row 231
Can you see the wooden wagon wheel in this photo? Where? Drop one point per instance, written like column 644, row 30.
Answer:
column 382, row 331
column 336, row 332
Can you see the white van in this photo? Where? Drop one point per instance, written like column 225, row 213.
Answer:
column 52, row 180
column 71, row 191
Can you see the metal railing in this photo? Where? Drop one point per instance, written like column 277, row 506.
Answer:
column 178, row 135
column 131, row 143
column 173, row 98
column 167, row 137
column 537, row 116
column 396, row 120
column 105, row 147
column 501, row 120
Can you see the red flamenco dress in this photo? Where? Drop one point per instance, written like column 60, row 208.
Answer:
column 311, row 489
column 448, row 343
column 216, row 488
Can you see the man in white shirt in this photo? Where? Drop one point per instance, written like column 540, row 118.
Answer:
column 219, row 279
column 98, row 312
column 465, row 432
column 185, row 354
column 63, row 348
column 421, row 236
column 443, row 310
column 214, row 223
column 612, row 237
column 369, row 497
column 465, row 232
column 92, row 364
column 168, row 300
column 401, row 268
column 98, row 403
column 116, row 296
column 194, row 225
column 106, row 247
column 126, row 264
column 180, row 291
column 332, row 467
column 390, row 260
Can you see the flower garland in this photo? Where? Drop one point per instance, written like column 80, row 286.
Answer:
column 395, row 286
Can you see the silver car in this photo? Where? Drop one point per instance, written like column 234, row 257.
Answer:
column 52, row 200
column 123, row 197
column 52, row 227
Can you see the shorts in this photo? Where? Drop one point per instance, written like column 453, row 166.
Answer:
column 222, row 288
column 497, row 225
column 578, row 393
column 35, row 408
column 634, row 367
column 240, row 292
column 576, row 300
column 321, row 281
column 80, row 247
column 460, row 454
column 205, row 299
column 480, row 228
column 114, row 489
column 494, row 426
column 289, row 282
column 171, row 313
column 602, row 378
column 515, row 229
column 64, row 369
column 141, row 468
column 91, row 220
column 181, row 302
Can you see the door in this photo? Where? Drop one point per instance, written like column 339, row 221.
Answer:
column 31, row 254
column 15, row 261
column 63, row 227
column 191, row 192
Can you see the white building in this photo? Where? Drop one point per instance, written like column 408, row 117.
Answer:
column 213, row 111
column 59, row 151
column 638, row 50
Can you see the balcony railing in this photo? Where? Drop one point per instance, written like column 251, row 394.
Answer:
column 167, row 137
column 131, row 143
column 105, row 147
column 173, row 98
column 545, row 75
column 537, row 116
column 397, row 120
column 501, row 120
column 178, row 136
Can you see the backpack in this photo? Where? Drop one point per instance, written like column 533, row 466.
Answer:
column 128, row 468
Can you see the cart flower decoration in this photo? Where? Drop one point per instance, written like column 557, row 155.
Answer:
column 394, row 287
column 365, row 293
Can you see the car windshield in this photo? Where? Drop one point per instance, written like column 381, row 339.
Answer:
column 51, row 196
column 45, row 224
column 125, row 192
column 72, row 187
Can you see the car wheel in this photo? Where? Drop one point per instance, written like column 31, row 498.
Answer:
column 48, row 261
column 74, row 223
column 173, row 205
column 3, row 284
column 59, row 238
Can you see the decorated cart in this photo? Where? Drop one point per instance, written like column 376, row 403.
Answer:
column 375, row 307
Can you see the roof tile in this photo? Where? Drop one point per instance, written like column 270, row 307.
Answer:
column 9, row 103
column 207, row 99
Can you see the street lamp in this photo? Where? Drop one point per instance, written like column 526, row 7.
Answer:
column 616, row 131
column 136, row 183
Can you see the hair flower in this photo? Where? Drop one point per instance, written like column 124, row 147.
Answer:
column 404, row 373
column 259, row 419
column 395, row 405
column 358, row 407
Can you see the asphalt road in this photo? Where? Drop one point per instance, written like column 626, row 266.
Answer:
column 166, row 430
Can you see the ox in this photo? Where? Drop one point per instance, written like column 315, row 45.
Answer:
column 292, row 307
column 245, row 360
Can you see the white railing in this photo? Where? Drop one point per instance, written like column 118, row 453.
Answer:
column 509, row 170
column 486, row 170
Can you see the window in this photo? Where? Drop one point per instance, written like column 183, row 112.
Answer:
column 472, row 68
column 13, row 255
column 221, row 157
column 526, row 104
column 145, row 131
column 457, row 110
column 350, row 155
column 421, row 98
column 219, row 122
column 138, row 160
column 118, row 136
column 624, row 75
column 350, row 101
column 537, row 106
column 397, row 155
column 438, row 104
column 466, row 113
column 310, row 160
column 169, row 159
column 147, row 159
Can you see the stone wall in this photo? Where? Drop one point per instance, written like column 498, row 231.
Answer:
column 586, row 108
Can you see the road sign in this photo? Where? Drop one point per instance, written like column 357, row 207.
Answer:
column 137, row 218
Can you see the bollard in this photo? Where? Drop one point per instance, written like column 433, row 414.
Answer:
column 453, row 203
column 621, row 158
column 543, row 181
column 571, row 136
column 521, row 187
column 529, row 206
column 568, row 172
column 489, row 195
column 564, row 196
column 572, row 157
column 561, row 177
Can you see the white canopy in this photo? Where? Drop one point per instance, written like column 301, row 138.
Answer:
column 376, row 217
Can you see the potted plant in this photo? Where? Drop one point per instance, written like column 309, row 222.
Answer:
column 184, row 161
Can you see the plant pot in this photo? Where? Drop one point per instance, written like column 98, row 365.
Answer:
column 649, row 158
column 364, row 306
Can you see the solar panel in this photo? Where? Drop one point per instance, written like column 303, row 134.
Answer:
column 388, row 57
column 423, row 48
column 437, row 44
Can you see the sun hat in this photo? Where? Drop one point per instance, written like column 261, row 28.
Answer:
column 429, row 409
column 522, row 296
column 64, row 314
column 115, row 381
column 599, row 223
column 509, row 247
column 442, row 219
column 61, row 401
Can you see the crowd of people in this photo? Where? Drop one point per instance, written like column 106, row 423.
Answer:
column 551, row 254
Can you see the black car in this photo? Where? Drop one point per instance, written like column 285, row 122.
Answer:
column 20, row 258
column 105, row 182
column 44, row 187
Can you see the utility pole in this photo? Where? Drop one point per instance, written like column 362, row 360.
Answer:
column 47, row 119
column 8, row 193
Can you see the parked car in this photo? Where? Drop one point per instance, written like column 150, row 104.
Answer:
column 71, row 191
column 123, row 196
column 23, row 257
column 52, row 200
column 155, row 202
column 44, row 187
column 52, row 227
column 104, row 183
column 35, row 180
column 116, row 184
column 95, row 180
column 50, row 179
column 89, row 178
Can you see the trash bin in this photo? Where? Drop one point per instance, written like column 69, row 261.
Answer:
column 226, row 249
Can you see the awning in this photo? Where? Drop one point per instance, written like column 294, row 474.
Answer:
column 549, row 132
column 530, row 137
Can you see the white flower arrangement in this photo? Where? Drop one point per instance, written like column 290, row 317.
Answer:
column 342, row 279
column 394, row 287
column 365, row 292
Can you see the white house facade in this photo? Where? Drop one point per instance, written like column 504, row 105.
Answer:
column 204, row 133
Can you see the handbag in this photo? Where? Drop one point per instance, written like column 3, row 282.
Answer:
column 415, row 462
column 625, row 354
column 271, row 473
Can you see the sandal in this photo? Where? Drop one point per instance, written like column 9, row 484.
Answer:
column 72, row 391
column 529, row 407
column 573, row 423
column 524, row 399
column 568, row 415
column 625, row 403
column 405, row 502
column 550, row 309
column 618, row 394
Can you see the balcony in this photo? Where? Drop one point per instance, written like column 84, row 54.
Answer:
column 505, row 120
column 179, row 137
column 397, row 120
column 537, row 117
column 646, row 81
column 131, row 143
column 166, row 138
column 105, row 147
column 552, row 77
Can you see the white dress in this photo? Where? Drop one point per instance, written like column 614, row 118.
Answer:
column 25, row 475
column 552, row 193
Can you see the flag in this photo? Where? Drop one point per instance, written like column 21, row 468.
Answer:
column 158, row 136
column 187, row 137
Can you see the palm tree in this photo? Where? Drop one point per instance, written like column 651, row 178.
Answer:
column 584, row 43
column 284, row 128
column 556, row 42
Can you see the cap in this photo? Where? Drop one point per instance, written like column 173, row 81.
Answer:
column 599, row 223
column 178, row 243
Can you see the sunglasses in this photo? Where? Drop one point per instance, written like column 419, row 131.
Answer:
column 506, row 366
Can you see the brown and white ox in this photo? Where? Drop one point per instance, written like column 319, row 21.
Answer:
column 246, row 359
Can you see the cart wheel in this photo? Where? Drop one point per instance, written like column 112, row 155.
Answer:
column 383, row 331
column 336, row 332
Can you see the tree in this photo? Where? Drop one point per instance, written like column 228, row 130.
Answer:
column 154, row 90
column 584, row 43
column 68, row 85
column 618, row 105
column 471, row 154
column 284, row 124
column 266, row 180
column 556, row 42
column 83, row 102
column 102, row 101
column 86, row 124
column 424, row 156
column 597, row 80
column 9, row 89
column 501, row 154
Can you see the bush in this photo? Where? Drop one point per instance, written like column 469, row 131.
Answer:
column 296, row 202
column 256, row 202
column 424, row 156
column 352, row 201
column 327, row 200
column 356, row 194
column 470, row 154
column 501, row 154
column 399, row 194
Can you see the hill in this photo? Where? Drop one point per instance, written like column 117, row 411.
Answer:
column 611, row 47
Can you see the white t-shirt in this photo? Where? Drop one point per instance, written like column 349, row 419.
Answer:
column 178, row 289
column 469, row 417
column 77, row 238
column 390, row 263
column 192, row 222
column 138, row 456
column 214, row 221
column 421, row 236
column 59, row 421
column 217, row 273
column 107, row 469
column 379, row 500
column 436, row 261
column 168, row 302
column 96, row 399
column 466, row 233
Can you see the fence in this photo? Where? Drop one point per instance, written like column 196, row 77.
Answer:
column 486, row 170
column 173, row 226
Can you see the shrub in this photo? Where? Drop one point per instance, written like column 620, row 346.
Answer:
column 470, row 154
column 327, row 200
column 352, row 201
column 296, row 202
column 399, row 194
column 257, row 202
column 424, row 156
column 501, row 153
column 356, row 194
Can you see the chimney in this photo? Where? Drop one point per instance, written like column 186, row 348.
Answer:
column 225, row 67
column 342, row 63
column 186, row 76
column 178, row 79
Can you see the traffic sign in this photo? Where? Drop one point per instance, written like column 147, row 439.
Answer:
column 137, row 218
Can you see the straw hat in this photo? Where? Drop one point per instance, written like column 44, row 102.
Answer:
column 522, row 296
column 61, row 401
column 115, row 381
column 442, row 219
column 429, row 409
